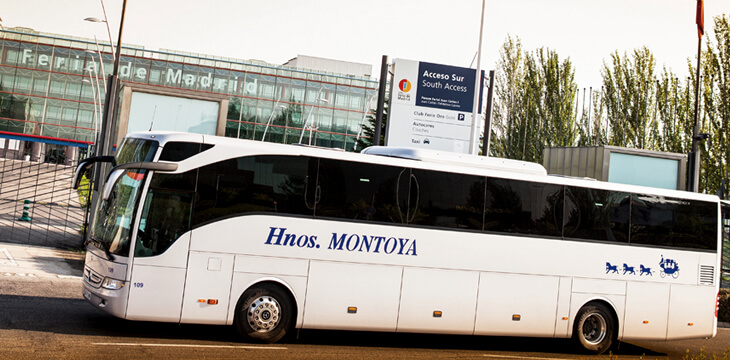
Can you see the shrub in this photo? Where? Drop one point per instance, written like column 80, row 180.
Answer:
column 724, row 313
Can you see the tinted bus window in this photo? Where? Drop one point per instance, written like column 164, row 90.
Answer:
column 179, row 151
column 359, row 191
column 448, row 200
column 254, row 184
column 661, row 221
column 524, row 207
column 593, row 214
column 166, row 213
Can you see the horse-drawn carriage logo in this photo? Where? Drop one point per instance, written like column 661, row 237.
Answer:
column 669, row 267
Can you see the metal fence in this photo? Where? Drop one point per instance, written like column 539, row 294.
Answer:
column 38, row 205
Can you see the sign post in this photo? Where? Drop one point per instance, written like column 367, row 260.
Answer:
column 431, row 106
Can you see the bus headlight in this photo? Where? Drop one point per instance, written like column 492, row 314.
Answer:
column 112, row 284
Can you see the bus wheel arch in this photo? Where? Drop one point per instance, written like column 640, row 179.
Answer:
column 595, row 326
column 265, row 312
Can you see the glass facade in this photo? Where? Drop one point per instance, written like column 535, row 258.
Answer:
column 52, row 90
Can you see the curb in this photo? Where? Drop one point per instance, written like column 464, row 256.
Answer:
column 30, row 261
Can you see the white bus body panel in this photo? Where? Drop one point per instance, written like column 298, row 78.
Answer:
column 562, row 325
column 647, row 305
column 508, row 305
column 535, row 278
column 162, row 304
column 334, row 287
column 697, row 317
column 452, row 292
column 156, row 284
column 209, row 278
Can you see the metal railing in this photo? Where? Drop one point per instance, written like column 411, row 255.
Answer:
column 38, row 205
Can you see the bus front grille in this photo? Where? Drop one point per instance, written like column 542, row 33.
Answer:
column 91, row 278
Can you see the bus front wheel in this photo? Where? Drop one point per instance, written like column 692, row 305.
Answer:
column 594, row 328
column 264, row 313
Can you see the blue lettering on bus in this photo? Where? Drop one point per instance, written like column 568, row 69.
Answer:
column 344, row 242
column 277, row 234
column 354, row 242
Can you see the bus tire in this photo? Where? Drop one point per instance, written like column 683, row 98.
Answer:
column 594, row 329
column 264, row 313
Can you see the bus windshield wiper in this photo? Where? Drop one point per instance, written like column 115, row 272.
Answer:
column 101, row 245
column 108, row 253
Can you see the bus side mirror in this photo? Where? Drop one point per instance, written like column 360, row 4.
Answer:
column 118, row 171
column 86, row 164
column 110, row 181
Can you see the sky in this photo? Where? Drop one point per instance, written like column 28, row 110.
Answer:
column 445, row 32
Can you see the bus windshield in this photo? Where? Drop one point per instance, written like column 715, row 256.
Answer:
column 111, row 227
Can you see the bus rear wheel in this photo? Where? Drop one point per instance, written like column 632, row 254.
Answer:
column 594, row 328
column 264, row 314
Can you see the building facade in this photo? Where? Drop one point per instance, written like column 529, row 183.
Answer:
column 52, row 89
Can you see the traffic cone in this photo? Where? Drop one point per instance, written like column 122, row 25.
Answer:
column 26, row 208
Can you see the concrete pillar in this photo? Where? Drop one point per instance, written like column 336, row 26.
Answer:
column 72, row 154
column 37, row 152
column 20, row 154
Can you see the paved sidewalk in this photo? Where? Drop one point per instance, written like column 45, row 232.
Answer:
column 39, row 262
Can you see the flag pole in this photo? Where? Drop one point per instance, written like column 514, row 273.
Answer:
column 694, row 156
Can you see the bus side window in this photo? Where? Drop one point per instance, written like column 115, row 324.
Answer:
column 524, row 207
column 359, row 191
column 592, row 214
column 253, row 184
column 449, row 200
column 662, row 221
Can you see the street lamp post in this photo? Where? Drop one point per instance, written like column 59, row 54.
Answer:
column 105, row 137
column 268, row 122
column 104, row 142
column 96, row 77
column 101, row 59
column 93, row 94
column 304, row 128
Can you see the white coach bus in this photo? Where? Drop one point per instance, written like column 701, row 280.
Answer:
column 270, row 238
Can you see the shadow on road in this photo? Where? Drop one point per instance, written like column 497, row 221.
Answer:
column 77, row 317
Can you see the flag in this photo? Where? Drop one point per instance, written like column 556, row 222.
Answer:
column 700, row 18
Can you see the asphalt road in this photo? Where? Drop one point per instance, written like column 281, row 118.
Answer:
column 45, row 317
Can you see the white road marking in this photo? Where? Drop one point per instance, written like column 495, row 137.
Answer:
column 69, row 277
column 521, row 357
column 19, row 274
column 195, row 346
column 10, row 261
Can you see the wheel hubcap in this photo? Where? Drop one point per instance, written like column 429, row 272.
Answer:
column 594, row 328
column 264, row 314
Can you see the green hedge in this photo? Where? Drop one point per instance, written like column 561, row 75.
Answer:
column 724, row 314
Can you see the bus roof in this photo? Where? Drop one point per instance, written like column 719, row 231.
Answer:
column 443, row 157
column 437, row 160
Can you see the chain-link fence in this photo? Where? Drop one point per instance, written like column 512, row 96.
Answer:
column 38, row 205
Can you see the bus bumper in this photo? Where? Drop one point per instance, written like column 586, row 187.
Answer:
column 110, row 301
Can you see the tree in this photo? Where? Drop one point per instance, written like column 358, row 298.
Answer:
column 628, row 84
column 367, row 133
column 715, row 108
column 534, row 93
column 505, row 119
